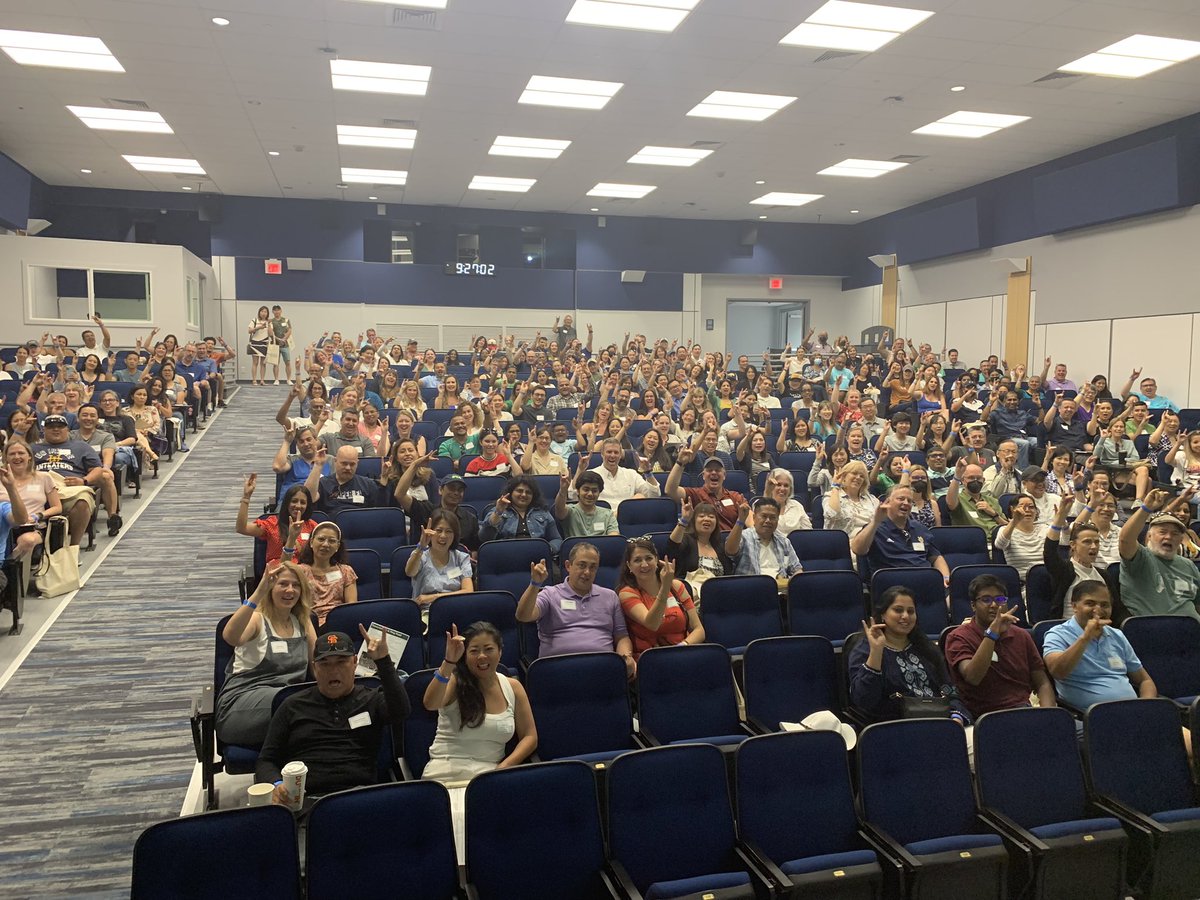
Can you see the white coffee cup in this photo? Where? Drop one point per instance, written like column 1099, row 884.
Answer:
column 260, row 794
column 294, row 775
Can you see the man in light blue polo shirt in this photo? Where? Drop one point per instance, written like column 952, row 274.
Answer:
column 1148, row 394
column 576, row 616
column 1090, row 661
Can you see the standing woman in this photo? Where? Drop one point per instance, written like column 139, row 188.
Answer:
column 273, row 641
column 436, row 566
column 697, row 547
column 658, row 608
column 259, row 331
column 479, row 709
column 323, row 561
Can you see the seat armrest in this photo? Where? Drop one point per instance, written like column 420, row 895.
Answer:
column 1129, row 816
column 884, row 843
column 757, row 726
column 648, row 738
column 1011, row 831
column 754, row 858
column 621, row 881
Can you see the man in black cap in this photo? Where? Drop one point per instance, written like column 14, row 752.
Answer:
column 76, row 469
column 336, row 727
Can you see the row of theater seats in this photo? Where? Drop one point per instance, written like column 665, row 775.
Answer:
column 776, row 817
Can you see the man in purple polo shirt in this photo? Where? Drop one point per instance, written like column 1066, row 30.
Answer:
column 576, row 616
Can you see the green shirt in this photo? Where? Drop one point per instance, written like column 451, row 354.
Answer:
column 452, row 449
column 1153, row 586
column 966, row 514
column 598, row 522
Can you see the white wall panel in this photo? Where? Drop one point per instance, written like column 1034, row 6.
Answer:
column 924, row 324
column 1159, row 345
column 1193, row 399
column 1083, row 346
column 969, row 329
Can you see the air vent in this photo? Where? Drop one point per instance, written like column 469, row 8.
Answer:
column 831, row 55
column 197, row 178
column 1058, row 79
column 905, row 158
column 707, row 145
column 416, row 19
column 116, row 103
column 398, row 123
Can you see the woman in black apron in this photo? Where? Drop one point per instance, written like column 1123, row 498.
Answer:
column 273, row 640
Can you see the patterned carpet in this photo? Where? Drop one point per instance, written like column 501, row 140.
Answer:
column 94, row 737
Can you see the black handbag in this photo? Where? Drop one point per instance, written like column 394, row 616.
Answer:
column 923, row 707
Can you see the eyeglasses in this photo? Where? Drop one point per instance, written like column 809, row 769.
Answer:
column 1000, row 598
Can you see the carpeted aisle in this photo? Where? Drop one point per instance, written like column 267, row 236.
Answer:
column 94, row 737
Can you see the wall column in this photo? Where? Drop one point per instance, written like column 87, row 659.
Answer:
column 890, row 296
column 1017, row 320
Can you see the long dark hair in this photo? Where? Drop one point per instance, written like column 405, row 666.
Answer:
column 283, row 517
column 338, row 558
column 626, row 578
column 537, row 502
column 468, row 693
column 920, row 644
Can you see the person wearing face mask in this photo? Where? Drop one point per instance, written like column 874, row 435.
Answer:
column 973, row 506
column 925, row 510
column 1155, row 579
column 891, row 541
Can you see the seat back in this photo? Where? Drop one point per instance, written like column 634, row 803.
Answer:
column 355, row 835
column 822, row 550
column 402, row 615
column 670, row 791
column 829, row 604
column 643, row 515
column 686, row 692
column 420, row 725
column 739, row 609
column 1052, row 790
column 1041, row 629
column 915, row 781
column 399, row 584
column 175, row 858
column 496, row 607
column 482, row 491
column 961, row 578
column 1150, row 773
column 504, row 565
column 367, row 566
column 787, row 678
column 961, row 545
column 928, row 590
column 793, row 795
column 797, row 461
column 738, row 481
column 1169, row 648
column 580, row 702
column 382, row 530
column 611, row 548
column 559, row 815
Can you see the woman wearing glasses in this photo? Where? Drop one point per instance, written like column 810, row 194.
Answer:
column 658, row 607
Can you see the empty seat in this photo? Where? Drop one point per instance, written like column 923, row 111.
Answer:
column 738, row 609
column 686, row 693
column 580, row 702
column 829, row 604
column 787, row 678
column 822, row 550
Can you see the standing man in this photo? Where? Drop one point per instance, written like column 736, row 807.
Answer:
column 565, row 333
column 281, row 333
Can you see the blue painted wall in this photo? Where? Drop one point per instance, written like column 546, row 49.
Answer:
column 16, row 185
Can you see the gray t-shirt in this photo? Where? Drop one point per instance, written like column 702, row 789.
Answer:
column 1153, row 586
column 100, row 441
column 335, row 442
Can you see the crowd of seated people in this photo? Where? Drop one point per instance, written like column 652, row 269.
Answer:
column 82, row 424
column 890, row 445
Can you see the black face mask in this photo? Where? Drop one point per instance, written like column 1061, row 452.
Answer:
column 919, row 484
column 974, row 486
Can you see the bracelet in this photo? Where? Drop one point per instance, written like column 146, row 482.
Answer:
column 537, row 584
column 905, row 471
column 1147, row 510
column 1054, row 528
column 289, row 550
column 245, row 499
column 958, row 717
column 682, row 521
column 991, row 634
column 279, row 782
column 837, row 484
column 1088, row 508
column 440, row 677
column 250, row 603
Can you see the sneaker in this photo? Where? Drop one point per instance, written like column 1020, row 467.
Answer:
column 222, row 404
column 114, row 525
column 185, row 449
column 275, row 382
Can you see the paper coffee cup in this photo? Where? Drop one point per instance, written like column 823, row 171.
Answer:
column 294, row 775
column 260, row 794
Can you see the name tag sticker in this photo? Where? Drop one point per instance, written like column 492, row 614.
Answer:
column 597, row 527
column 1184, row 587
column 304, row 535
column 335, row 575
column 454, row 572
column 362, row 719
column 1115, row 662
column 567, row 603
column 727, row 502
column 671, row 601
column 972, row 514
column 279, row 646
column 919, row 545
column 995, row 656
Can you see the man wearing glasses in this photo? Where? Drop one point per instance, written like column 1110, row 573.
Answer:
column 993, row 661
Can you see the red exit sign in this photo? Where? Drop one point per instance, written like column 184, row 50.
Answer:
column 273, row 266
column 775, row 284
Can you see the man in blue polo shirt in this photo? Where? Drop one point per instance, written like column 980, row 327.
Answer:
column 891, row 541
column 1090, row 661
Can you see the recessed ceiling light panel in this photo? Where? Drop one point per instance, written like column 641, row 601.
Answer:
column 379, row 78
column 62, row 51
column 536, row 148
column 417, row 4
column 374, row 176
column 497, row 183
column 641, row 15
column 783, row 198
column 573, row 93
column 164, row 164
column 621, row 191
column 669, row 156
column 966, row 124
column 1135, row 56
column 857, row 27
column 104, row 119
column 739, row 105
column 371, row 136
column 862, row 168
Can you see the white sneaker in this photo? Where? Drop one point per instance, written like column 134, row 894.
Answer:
column 276, row 381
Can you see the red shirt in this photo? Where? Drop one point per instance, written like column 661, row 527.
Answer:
column 1008, row 682
column 727, row 504
column 674, row 627
column 269, row 526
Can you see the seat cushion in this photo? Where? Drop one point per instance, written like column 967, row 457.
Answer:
column 720, row 740
column 1079, row 826
column 602, row 756
column 952, row 843
column 665, row 890
column 239, row 760
column 1177, row 815
column 845, row 860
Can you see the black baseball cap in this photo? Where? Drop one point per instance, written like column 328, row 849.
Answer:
column 335, row 643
